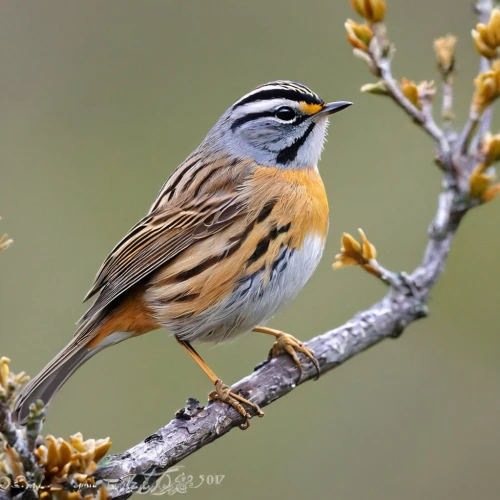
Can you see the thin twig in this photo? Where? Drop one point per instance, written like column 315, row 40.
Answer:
column 483, row 9
column 447, row 112
column 477, row 126
column 467, row 133
column 429, row 125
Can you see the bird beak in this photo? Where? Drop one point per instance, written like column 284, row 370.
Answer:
column 333, row 107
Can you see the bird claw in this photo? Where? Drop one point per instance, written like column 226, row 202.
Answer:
column 223, row 394
column 289, row 344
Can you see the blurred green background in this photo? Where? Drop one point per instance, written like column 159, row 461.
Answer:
column 101, row 100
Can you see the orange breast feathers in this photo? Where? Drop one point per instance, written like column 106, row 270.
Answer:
column 302, row 200
column 282, row 207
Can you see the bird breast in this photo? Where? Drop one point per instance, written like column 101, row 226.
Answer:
column 257, row 263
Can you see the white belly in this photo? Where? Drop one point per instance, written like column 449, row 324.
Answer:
column 253, row 302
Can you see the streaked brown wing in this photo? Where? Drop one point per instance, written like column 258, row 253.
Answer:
column 158, row 238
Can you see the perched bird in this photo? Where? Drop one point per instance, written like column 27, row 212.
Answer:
column 234, row 233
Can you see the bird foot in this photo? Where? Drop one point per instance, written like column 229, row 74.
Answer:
column 223, row 394
column 289, row 344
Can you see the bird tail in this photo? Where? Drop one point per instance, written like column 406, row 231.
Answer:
column 50, row 379
column 45, row 385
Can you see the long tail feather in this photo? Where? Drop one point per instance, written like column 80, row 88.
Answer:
column 45, row 385
column 50, row 379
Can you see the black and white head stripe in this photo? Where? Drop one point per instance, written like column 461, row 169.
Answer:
column 280, row 89
column 279, row 124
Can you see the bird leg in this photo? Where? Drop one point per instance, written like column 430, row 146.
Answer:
column 289, row 344
column 222, row 391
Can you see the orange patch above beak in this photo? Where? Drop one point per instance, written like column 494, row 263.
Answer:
column 310, row 109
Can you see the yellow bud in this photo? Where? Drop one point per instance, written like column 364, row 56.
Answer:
column 4, row 371
column 52, row 453
column 354, row 254
column 490, row 148
column 350, row 245
column 410, row 91
column 77, row 442
column 5, row 242
column 379, row 88
column 444, row 48
column 495, row 66
column 479, row 182
column 358, row 35
column 368, row 250
column 372, row 10
column 343, row 261
column 101, row 448
column 21, row 379
column 493, row 28
column 478, row 185
column 485, row 35
column 426, row 90
column 65, row 452
column 487, row 90
column 11, row 458
column 491, row 193
column 482, row 47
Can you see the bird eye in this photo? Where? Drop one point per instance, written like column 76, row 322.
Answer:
column 285, row 113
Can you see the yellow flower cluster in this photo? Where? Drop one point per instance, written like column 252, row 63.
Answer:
column 353, row 253
column 10, row 462
column 490, row 148
column 410, row 91
column 9, row 381
column 481, row 181
column 63, row 462
column 415, row 92
column 487, row 88
column 444, row 48
column 75, row 459
column 358, row 35
column 372, row 10
column 486, row 37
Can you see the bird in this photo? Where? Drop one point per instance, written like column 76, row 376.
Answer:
column 234, row 234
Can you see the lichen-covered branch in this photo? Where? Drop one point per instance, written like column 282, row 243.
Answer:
column 196, row 426
column 10, row 434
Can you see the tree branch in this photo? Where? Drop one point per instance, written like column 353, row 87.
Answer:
column 476, row 125
column 196, row 426
column 483, row 10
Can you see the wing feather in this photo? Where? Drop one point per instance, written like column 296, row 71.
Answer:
column 155, row 240
column 176, row 220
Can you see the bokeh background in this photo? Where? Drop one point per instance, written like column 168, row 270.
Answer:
column 100, row 100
